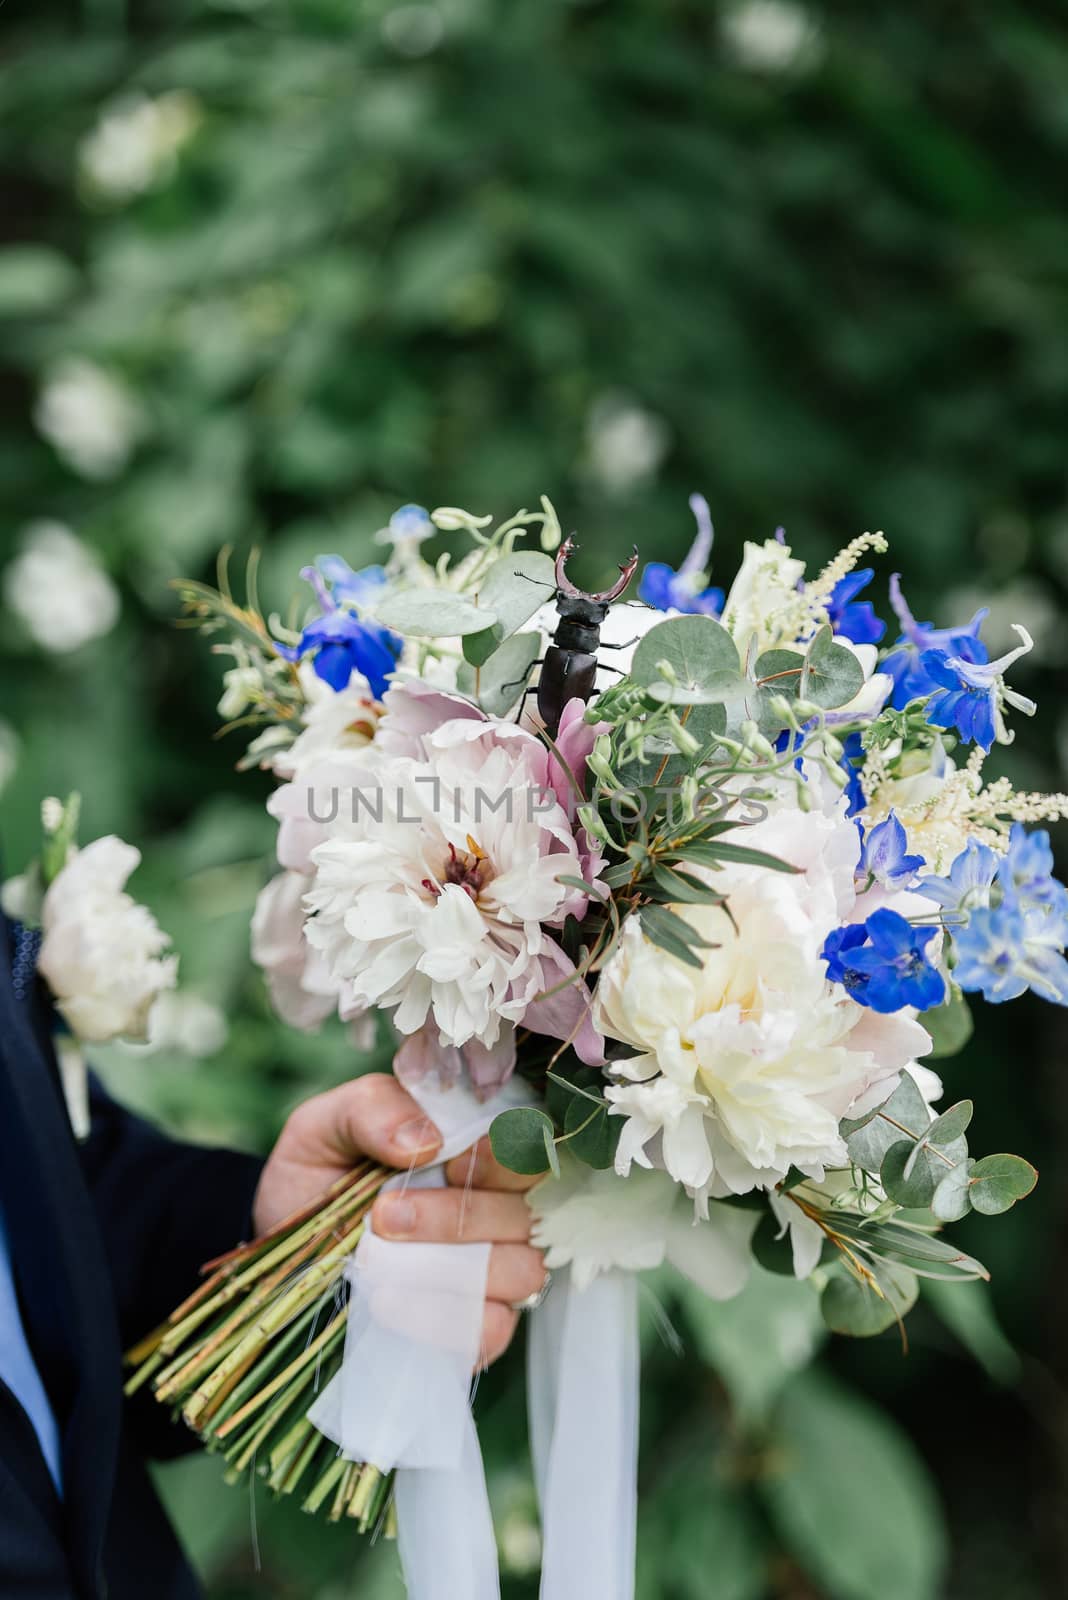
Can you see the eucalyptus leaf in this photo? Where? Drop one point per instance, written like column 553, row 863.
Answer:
column 523, row 1141
column 498, row 684
column 592, row 1134
column 700, row 653
column 997, row 1182
column 952, row 1197
column 514, row 588
column 432, row 614
column 949, row 1127
column 860, row 1310
column 903, row 1113
column 907, row 1181
column 833, row 676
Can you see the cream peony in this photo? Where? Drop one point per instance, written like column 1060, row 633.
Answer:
column 102, row 953
column 745, row 1067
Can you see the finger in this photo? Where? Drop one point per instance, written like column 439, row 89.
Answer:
column 498, row 1329
column 447, row 1216
column 516, row 1271
column 478, row 1168
column 369, row 1116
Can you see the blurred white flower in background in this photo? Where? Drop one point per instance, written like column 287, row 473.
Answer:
column 413, row 30
column 771, row 35
column 625, row 443
column 135, row 142
column 187, row 1023
column 89, row 417
column 9, row 753
column 58, row 590
column 1026, row 601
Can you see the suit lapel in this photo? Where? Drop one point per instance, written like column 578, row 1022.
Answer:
column 61, row 1265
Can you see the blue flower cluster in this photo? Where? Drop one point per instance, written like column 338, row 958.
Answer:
column 951, row 669
column 345, row 639
column 882, row 963
column 1014, row 916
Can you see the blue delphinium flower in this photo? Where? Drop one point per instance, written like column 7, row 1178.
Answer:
column 1025, row 871
column 852, row 618
column 884, row 856
column 342, row 641
column 967, row 695
column 408, row 527
column 882, row 963
column 1008, row 916
column 670, row 590
column 1007, row 949
column 904, row 661
column 969, row 882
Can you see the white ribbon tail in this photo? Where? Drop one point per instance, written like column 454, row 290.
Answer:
column 583, row 1389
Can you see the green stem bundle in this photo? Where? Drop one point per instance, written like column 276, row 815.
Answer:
column 242, row 1359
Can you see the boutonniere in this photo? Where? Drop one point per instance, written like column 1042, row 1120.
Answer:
column 103, row 956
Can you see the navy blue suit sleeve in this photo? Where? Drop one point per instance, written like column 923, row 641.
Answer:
column 163, row 1208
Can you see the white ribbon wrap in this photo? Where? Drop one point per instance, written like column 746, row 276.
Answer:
column 402, row 1399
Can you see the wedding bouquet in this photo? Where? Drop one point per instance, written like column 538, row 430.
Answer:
column 676, row 896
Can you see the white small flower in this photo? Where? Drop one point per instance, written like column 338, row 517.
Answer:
column 625, row 443
column 186, row 1023
column 763, row 592
column 89, row 417
column 134, row 144
column 335, row 723
column 241, row 687
column 102, row 953
column 58, row 590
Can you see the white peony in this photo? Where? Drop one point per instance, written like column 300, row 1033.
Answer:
column 596, row 1222
column 102, row 953
column 745, row 1067
column 763, row 592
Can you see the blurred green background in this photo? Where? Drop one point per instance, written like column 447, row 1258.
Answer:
column 269, row 268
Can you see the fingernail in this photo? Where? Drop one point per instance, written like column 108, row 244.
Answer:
column 416, row 1135
column 394, row 1214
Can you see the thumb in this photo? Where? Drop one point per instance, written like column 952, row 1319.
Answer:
column 372, row 1116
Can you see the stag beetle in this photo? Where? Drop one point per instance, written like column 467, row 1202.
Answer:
column 570, row 665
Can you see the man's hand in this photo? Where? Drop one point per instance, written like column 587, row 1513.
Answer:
column 375, row 1117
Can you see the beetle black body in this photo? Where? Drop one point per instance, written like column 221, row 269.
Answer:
column 569, row 670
